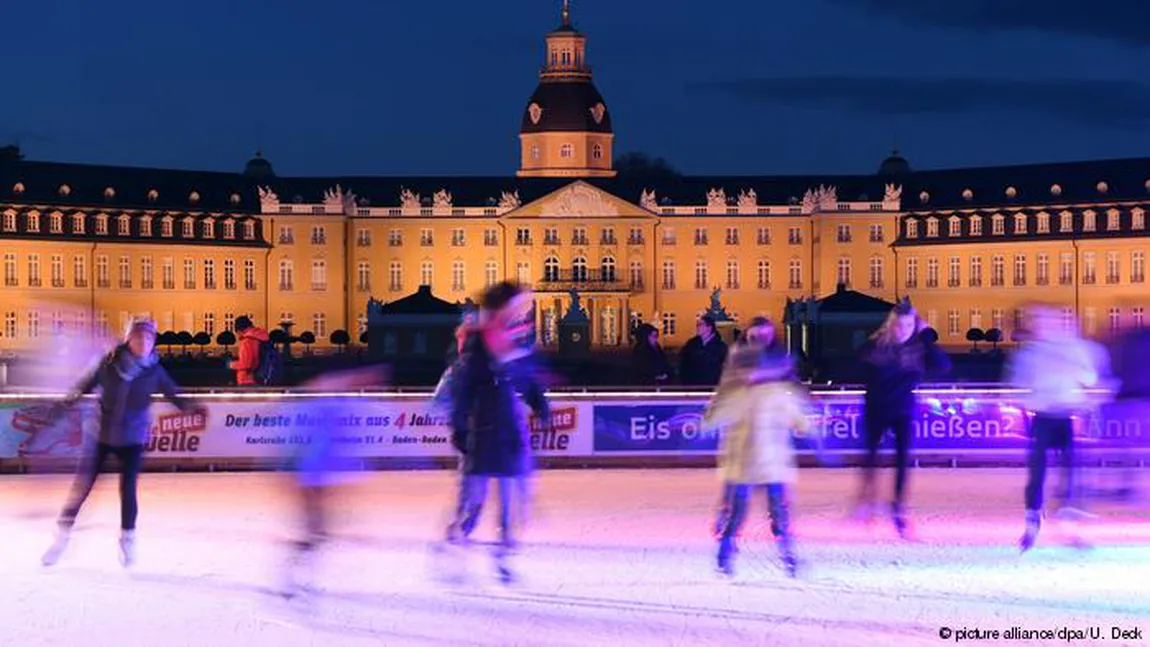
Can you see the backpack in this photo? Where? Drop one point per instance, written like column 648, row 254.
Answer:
column 270, row 369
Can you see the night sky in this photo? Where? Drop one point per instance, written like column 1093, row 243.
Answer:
column 438, row 87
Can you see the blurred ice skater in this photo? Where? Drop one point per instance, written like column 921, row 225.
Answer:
column 1056, row 367
column 320, row 463
column 897, row 358
column 489, row 427
column 126, row 380
column 759, row 406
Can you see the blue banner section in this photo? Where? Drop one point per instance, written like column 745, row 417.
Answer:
column 960, row 423
column 674, row 428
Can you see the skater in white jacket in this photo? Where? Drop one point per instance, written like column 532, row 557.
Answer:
column 758, row 408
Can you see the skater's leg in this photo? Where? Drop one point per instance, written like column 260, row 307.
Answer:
column 902, row 431
column 1036, row 462
column 131, row 461
column 1036, row 479
column 779, row 508
column 475, row 494
column 89, row 470
column 1063, row 439
column 875, row 429
column 902, row 435
column 724, row 514
column 509, row 489
column 737, row 507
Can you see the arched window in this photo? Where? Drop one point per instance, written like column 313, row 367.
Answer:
column 551, row 269
column 579, row 269
column 567, row 151
column 597, row 151
column 535, row 151
column 607, row 269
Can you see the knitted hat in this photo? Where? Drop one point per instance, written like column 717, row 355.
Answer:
column 145, row 325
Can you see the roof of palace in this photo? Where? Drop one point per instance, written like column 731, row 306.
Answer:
column 87, row 185
column 423, row 302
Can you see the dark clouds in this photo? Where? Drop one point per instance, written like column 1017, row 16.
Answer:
column 1124, row 21
column 1100, row 104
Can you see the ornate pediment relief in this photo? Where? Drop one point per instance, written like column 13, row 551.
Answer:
column 580, row 200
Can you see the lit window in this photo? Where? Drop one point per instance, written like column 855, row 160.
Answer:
column 567, row 151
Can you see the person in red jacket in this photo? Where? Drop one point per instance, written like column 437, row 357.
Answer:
column 249, row 344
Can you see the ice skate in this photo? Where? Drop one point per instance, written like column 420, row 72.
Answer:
column 725, row 561
column 503, row 570
column 864, row 511
column 901, row 523
column 128, row 548
column 1033, row 524
column 790, row 562
column 59, row 545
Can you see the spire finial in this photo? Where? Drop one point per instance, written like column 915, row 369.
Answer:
column 566, row 13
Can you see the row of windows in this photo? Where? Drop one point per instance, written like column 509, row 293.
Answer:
column 732, row 236
column 1020, row 268
column 34, row 324
column 125, row 278
column 1021, row 223
column 318, row 235
column 567, row 151
column 79, row 223
column 957, row 325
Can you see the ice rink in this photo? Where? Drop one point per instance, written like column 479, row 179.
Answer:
column 614, row 557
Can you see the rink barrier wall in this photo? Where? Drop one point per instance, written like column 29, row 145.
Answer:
column 260, row 430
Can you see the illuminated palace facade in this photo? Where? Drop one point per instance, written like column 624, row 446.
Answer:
column 87, row 247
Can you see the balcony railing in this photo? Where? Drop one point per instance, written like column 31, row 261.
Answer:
column 588, row 281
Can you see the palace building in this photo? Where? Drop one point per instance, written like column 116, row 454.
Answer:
column 86, row 247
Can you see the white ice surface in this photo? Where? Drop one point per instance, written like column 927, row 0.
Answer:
column 617, row 558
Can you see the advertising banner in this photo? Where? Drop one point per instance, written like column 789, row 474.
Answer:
column 951, row 424
column 366, row 427
column 387, row 426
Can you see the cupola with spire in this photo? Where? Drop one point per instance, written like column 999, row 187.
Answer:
column 566, row 128
column 258, row 168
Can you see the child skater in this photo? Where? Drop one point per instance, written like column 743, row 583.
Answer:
column 492, row 379
column 318, row 464
column 897, row 358
column 1055, row 367
column 759, row 406
column 126, row 379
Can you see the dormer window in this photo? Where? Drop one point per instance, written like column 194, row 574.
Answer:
column 932, row 227
column 955, row 227
column 56, row 224
column 1113, row 218
column 998, row 224
column 1065, row 222
column 78, row 223
column 229, row 229
column 249, row 230
column 9, row 220
column 124, row 225
column 33, row 222
column 101, row 224
column 146, row 226
column 1137, row 219
column 1043, row 223
column 976, row 225
column 208, row 228
column 1089, row 220
column 912, row 228
column 167, row 227
column 189, row 228
column 1020, row 223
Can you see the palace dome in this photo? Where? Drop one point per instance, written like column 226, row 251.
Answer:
column 566, row 106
